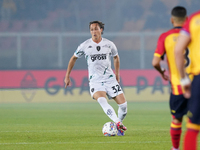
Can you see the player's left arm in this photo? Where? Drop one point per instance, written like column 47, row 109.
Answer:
column 117, row 67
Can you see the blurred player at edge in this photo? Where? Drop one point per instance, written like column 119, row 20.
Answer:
column 190, row 37
column 102, row 80
column 166, row 45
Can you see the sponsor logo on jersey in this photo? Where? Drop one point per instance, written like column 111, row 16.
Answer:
column 106, row 46
column 90, row 46
column 98, row 56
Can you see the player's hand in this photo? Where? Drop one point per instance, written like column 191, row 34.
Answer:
column 164, row 76
column 187, row 89
column 186, row 84
column 67, row 81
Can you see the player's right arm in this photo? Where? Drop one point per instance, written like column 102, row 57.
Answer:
column 69, row 69
column 156, row 64
column 159, row 52
column 78, row 53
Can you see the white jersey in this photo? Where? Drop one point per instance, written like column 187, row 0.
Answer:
column 98, row 57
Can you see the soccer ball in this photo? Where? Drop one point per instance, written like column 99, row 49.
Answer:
column 109, row 129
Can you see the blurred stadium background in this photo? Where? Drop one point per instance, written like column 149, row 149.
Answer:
column 43, row 34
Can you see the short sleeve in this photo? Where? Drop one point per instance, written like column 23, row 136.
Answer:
column 79, row 51
column 114, row 51
column 160, row 49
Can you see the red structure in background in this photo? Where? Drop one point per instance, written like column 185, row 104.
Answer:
column 38, row 78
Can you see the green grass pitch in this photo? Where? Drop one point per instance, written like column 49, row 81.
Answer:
column 77, row 126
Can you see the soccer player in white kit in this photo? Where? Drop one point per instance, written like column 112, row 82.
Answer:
column 102, row 80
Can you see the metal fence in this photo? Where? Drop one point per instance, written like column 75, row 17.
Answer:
column 53, row 50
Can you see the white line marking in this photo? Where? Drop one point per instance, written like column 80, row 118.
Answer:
column 127, row 142
column 74, row 130
column 33, row 143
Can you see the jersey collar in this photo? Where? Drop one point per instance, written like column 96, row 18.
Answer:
column 97, row 43
column 178, row 27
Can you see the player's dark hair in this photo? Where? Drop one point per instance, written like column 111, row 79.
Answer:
column 179, row 12
column 101, row 24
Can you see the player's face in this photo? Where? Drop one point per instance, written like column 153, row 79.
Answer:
column 95, row 32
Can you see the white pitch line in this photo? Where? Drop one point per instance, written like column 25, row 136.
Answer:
column 75, row 130
column 48, row 131
column 34, row 143
column 121, row 142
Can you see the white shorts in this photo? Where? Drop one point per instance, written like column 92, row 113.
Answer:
column 112, row 88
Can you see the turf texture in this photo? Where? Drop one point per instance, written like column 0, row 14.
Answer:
column 77, row 126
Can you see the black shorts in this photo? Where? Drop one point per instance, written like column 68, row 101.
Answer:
column 194, row 102
column 178, row 105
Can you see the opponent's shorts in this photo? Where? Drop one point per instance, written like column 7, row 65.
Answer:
column 111, row 87
column 178, row 105
column 194, row 102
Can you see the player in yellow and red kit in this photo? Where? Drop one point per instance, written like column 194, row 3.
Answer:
column 190, row 36
column 165, row 45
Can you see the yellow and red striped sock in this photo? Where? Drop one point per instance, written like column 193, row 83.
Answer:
column 175, row 132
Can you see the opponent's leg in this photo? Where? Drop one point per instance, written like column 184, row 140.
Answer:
column 107, row 108
column 122, row 110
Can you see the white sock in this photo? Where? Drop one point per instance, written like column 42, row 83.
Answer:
column 122, row 111
column 108, row 109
